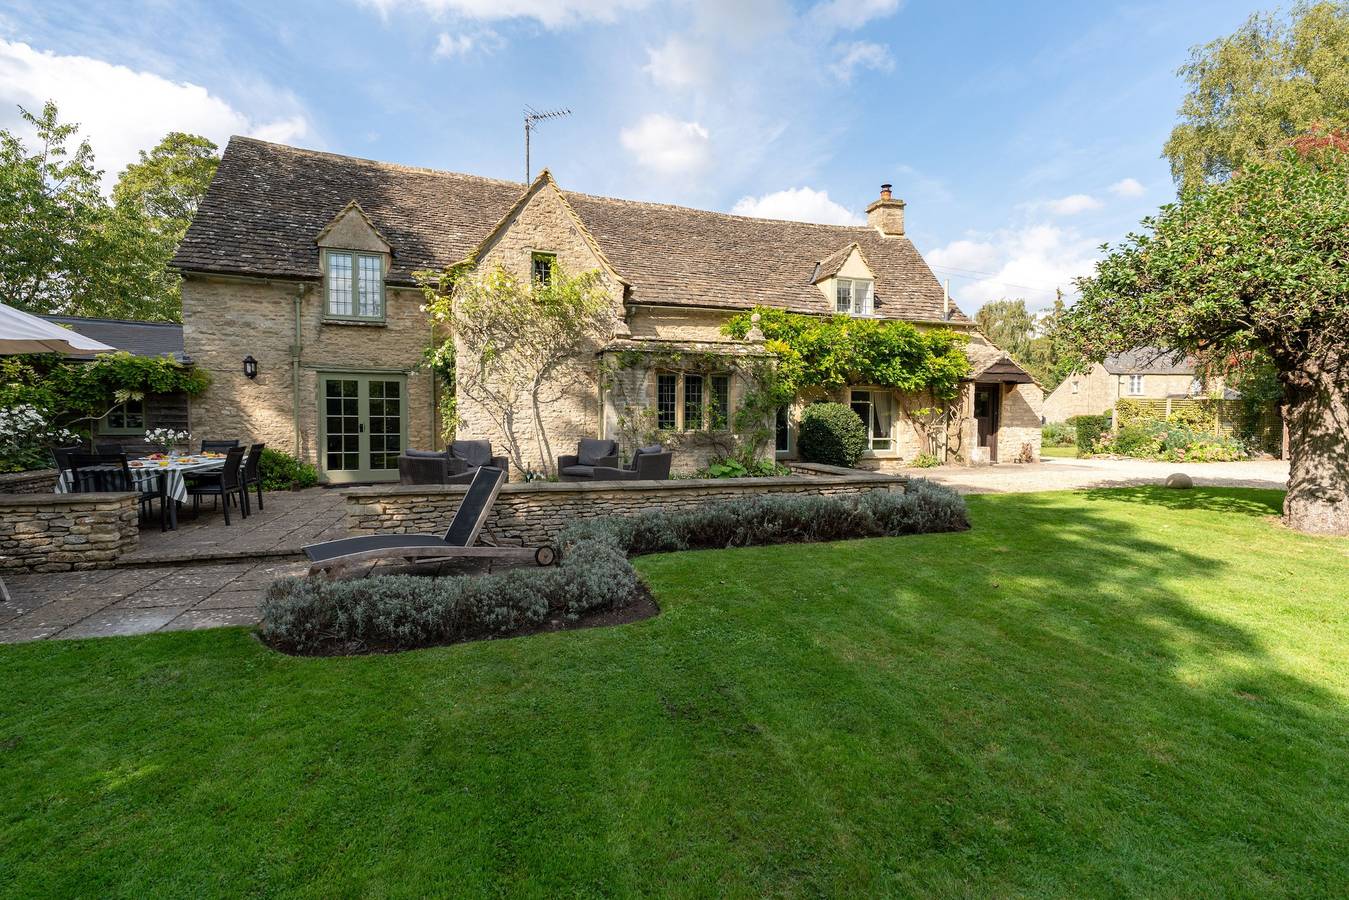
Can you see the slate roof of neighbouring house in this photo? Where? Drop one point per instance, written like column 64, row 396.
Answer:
column 268, row 202
column 1149, row 361
column 135, row 337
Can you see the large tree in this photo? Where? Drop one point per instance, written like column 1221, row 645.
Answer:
column 64, row 248
column 1028, row 338
column 1253, row 91
column 1259, row 262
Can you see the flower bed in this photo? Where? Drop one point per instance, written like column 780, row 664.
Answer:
column 400, row 612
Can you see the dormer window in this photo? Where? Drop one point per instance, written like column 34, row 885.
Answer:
column 355, row 285
column 541, row 267
column 852, row 296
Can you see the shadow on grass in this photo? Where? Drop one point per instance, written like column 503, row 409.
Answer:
column 1235, row 501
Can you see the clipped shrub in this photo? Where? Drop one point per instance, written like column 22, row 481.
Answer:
column 280, row 470
column 1088, row 430
column 1058, row 434
column 926, row 461
column 831, row 433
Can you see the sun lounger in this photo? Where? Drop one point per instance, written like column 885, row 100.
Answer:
column 458, row 542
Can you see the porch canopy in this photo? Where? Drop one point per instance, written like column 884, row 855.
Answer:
column 992, row 366
column 24, row 333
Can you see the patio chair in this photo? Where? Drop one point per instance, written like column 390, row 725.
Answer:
column 218, row 446
column 62, row 455
column 109, row 448
column 464, row 458
column 648, row 464
column 458, row 542
column 590, row 452
column 252, row 474
column 227, row 485
column 422, row 467
column 106, row 472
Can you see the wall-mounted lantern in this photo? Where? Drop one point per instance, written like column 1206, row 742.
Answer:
column 250, row 367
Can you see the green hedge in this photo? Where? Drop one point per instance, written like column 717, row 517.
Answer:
column 307, row 615
column 831, row 433
column 1089, row 430
column 280, row 471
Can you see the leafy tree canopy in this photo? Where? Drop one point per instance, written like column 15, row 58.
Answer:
column 1028, row 339
column 1252, row 91
column 167, row 184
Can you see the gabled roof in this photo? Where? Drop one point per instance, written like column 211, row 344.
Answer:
column 136, row 338
column 1150, row 361
column 355, row 207
column 267, row 201
column 830, row 265
column 989, row 365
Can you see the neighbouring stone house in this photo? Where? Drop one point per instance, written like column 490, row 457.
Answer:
column 304, row 262
column 1147, row 373
column 126, row 423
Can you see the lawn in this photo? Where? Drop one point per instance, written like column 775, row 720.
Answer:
column 1059, row 452
column 1100, row 692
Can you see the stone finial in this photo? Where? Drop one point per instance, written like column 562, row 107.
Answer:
column 755, row 332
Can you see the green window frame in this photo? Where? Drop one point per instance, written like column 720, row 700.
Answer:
column 541, row 266
column 124, row 418
column 353, row 286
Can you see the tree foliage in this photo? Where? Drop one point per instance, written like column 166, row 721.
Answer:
column 1252, row 91
column 1028, row 339
column 65, row 249
column 1259, row 262
column 512, row 339
column 815, row 352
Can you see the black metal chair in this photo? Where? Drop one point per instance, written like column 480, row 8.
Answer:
column 648, row 464
column 590, row 452
column 227, row 485
column 252, row 475
column 106, row 472
column 218, row 446
column 109, row 448
column 62, row 455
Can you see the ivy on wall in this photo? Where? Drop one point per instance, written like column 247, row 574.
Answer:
column 66, row 392
column 815, row 352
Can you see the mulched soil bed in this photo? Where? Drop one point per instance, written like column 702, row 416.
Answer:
column 641, row 606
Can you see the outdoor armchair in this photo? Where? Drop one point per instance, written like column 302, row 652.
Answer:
column 590, row 452
column 464, row 458
column 421, row 467
column 648, row 464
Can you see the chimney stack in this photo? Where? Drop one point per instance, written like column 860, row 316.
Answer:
column 886, row 215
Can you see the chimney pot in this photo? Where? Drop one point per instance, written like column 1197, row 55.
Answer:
column 885, row 192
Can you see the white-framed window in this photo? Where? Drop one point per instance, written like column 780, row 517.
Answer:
column 124, row 418
column 1074, row 385
column 1135, row 385
column 876, row 410
column 852, row 296
column 689, row 401
column 355, row 285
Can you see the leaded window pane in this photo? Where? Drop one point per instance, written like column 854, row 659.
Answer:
column 339, row 284
column 665, row 402
column 371, row 269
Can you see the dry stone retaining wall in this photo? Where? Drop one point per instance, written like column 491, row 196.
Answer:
column 533, row 514
column 38, row 481
column 60, row 532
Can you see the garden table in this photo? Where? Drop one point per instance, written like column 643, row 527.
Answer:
column 147, row 472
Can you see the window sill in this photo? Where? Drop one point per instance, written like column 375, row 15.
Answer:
column 360, row 323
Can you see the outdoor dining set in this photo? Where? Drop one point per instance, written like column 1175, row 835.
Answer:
column 225, row 471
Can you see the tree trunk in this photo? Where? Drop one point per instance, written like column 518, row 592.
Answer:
column 1317, row 411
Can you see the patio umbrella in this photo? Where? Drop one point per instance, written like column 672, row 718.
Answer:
column 22, row 333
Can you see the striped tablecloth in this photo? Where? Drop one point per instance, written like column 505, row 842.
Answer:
column 147, row 475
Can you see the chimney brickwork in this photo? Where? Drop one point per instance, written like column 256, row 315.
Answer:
column 886, row 215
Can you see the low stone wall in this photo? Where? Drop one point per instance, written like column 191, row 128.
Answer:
column 60, row 532
column 533, row 514
column 38, row 481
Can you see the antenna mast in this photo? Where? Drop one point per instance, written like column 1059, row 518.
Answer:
column 533, row 116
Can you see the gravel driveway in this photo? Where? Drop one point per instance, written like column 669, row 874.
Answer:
column 1072, row 474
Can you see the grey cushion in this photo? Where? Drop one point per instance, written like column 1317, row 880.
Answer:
column 425, row 454
column 591, row 450
column 582, row 471
column 643, row 451
column 475, row 453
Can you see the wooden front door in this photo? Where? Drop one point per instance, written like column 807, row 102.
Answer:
column 986, row 410
column 363, row 426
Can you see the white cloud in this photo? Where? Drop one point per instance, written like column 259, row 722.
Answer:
column 863, row 54
column 448, row 46
column 849, row 14
column 667, row 145
column 680, row 63
column 1027, row 262
column 122, row 111
column 551, row 13
column 1073, row 204
column 1127, row 187
column 797, row 204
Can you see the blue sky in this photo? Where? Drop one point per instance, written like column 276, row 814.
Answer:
column 1022, row 135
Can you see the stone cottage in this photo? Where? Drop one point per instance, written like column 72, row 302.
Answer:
column 1148, row 373
column 302, row 263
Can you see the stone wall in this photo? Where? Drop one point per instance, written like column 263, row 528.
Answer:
column 60, row 532
column 38, row 481
column 1019, row 431
column 533, row 514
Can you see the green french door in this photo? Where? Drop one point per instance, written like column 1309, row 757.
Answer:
column 363, row 426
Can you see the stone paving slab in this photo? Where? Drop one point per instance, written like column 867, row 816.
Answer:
column 138, row 601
